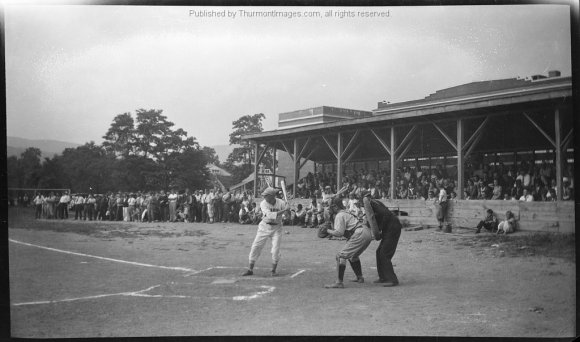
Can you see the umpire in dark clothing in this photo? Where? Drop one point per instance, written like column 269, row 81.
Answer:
column 388, row 230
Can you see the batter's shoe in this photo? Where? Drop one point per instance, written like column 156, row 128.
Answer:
column 273, row 274
column 248, row 273
column 390, row 284
column 334, row 286
column 358, row 280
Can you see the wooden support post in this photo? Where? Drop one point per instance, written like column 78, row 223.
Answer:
column 256, row 171
column 393, row 163
column 296, row 166
column 460, row 158
column 339, row 163
column 273, row 166
column 558, row 144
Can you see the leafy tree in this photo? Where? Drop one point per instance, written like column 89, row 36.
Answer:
column 87, row 167
column 30, row 168
column 120, row 138
column 247, row 124
column 239, row 162
column 188, row 169
column 211, row 155
column 52, row 175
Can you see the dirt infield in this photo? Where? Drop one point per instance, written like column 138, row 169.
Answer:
column 102, row 279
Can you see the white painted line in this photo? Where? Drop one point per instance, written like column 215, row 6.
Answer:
column 269, row 289
column 184, row 269
column 141, row 293
column 87, row 297
column 297, row 273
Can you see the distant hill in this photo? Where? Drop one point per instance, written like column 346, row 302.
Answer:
column 15, row 146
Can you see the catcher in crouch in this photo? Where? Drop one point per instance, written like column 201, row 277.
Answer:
column 385, row 226
column 269, row 227
column 358, row 239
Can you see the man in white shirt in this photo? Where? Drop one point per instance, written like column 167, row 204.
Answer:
column 269, row 227
column 63, row 206
column 527, row 197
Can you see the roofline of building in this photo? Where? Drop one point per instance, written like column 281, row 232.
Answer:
column 539, row 92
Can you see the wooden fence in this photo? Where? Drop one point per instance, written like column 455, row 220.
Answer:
column 532, row 216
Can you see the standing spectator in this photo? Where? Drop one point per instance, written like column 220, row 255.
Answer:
column 204, row 201
column 218, row 206
column 38, row 205
column 163, row 207
column 153, row 209
column 442, row 213
column 103, row 207
column 79, row 206
column 63, row 205
column 172, row 199
column 210, row 199
column 226, row 200
column 90, row 207
column 52, row 201
column 119, row 200
column 198, row 205
column 131, row 203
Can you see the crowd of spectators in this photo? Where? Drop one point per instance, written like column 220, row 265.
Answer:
column 526, row 182
column 208, row 206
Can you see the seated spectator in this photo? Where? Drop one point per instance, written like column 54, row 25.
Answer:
column 517, row 190
column 551, row 195
column 497, row 190
column 244, row 217
column 489, row 222
column 411, row 191
column 540, row 193
column 483, row 191
column 567, row 190
column 471, row 190
column 508, row 225
column 527, row 197
column 300, row 218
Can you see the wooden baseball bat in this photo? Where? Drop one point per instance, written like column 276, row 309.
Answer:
column 283, row 184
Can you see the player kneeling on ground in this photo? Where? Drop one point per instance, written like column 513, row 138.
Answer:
column 358, row 239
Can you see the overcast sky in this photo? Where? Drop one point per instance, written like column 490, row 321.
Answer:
column 71, row 69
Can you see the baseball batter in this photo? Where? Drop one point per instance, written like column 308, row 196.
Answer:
column 358, row 239
column 269, row 227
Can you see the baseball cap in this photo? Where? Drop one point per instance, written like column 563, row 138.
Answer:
column 269, row 191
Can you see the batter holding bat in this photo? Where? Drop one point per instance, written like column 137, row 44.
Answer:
column 269, row 227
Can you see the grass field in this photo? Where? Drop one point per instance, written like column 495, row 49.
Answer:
column 121, row 279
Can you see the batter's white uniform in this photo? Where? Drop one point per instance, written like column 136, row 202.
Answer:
column 269, row 227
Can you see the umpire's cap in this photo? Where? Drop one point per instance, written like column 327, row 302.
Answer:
column 270, row 191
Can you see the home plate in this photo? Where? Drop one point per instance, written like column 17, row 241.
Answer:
column 224, row 281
